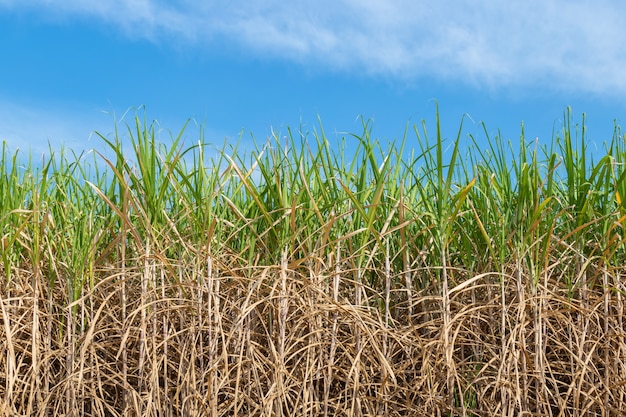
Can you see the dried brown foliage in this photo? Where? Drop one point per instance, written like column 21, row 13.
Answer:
column 228, row 341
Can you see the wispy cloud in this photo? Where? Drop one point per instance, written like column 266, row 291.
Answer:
column 569, row 45
column 33, row 129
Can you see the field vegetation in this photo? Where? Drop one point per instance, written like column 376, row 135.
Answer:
column 432, row 276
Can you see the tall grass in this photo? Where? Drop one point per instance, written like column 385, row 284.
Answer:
column 428, row 277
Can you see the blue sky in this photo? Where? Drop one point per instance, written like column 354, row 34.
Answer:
column 72, row 67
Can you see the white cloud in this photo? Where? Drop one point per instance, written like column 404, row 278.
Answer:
column 573, row 44
column 41, row 129
column 31, row 129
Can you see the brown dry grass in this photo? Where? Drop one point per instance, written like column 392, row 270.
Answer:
column 279, row 340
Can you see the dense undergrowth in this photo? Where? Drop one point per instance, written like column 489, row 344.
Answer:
column 456, row 279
